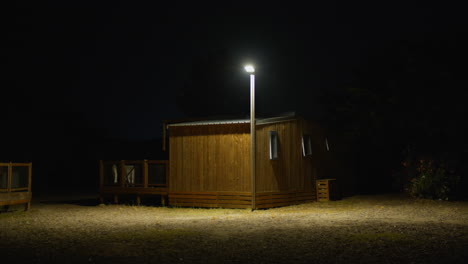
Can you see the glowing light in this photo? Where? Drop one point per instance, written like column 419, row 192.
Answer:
column 249, row 68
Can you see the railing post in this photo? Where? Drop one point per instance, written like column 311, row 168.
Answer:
column 28, row 204
column 30, row 177
column 145, row 173
column 10, row 171
column 123, row 173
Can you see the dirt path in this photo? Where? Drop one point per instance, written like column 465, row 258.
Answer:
column 360, row 229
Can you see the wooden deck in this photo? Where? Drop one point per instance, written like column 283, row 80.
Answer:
column 150, row 178
column 15, row 184
column 137, row 177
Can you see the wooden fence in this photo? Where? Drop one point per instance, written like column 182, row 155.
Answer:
column 134, row 177
column 15, row 184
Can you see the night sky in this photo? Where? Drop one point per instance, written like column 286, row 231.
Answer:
column 93, row 80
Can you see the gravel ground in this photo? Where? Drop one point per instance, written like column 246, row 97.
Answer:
column 359, row 229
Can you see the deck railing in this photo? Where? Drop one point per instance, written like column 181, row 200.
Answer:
column 15, row 183
column 140, row 177
column 134, row 173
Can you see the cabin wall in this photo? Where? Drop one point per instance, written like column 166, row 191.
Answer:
column 285, row 173
column 321, row 159
column 210, row 165
column 291, row 178
column 291, row 171
column 213, row 158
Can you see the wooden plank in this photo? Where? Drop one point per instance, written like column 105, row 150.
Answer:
column 287, row 197
column 12, row 196
column 215, row 197
column 212, row 193
column 235, row 197
column 272, row 194
column 287, row 200
column 19, row 189
column 145, row 173
column 136, row 193
column 197, row 201
column 212, row 205
column 13, row 202
column 18, row 164
column 266, row 199
column 133, row 190
column 15, row 196
column 212, row 197
column 272, row 205
column 260, row 197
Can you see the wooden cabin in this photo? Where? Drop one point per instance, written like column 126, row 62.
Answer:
column 210, row 161
column 15, row 184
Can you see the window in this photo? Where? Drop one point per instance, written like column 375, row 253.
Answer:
column 273, row 145
column 306, row 145
column 326, row 144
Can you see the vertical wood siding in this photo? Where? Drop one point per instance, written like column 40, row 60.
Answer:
column 207, row 162
column 291, row 172
column 210, row 158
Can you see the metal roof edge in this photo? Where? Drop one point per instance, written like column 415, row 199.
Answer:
column 211, row 122
column 263, row 121
column 272, row 120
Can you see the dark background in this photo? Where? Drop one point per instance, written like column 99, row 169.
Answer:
column 83, row 81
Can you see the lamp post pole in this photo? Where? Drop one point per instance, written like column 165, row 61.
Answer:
column 250, row 69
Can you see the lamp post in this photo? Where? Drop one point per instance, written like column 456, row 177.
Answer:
column 251, row 70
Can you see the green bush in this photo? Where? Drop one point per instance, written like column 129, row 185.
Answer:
column 432, row 180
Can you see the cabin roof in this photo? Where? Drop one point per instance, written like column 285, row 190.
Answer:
column 211, row 122
column 259, row 121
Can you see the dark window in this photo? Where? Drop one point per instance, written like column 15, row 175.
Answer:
column 3, row 177
column 273, row 145
column 19, row 177
column 306, row 145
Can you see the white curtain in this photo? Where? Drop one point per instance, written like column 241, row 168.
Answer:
column 130, row 172
column 115, row 174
